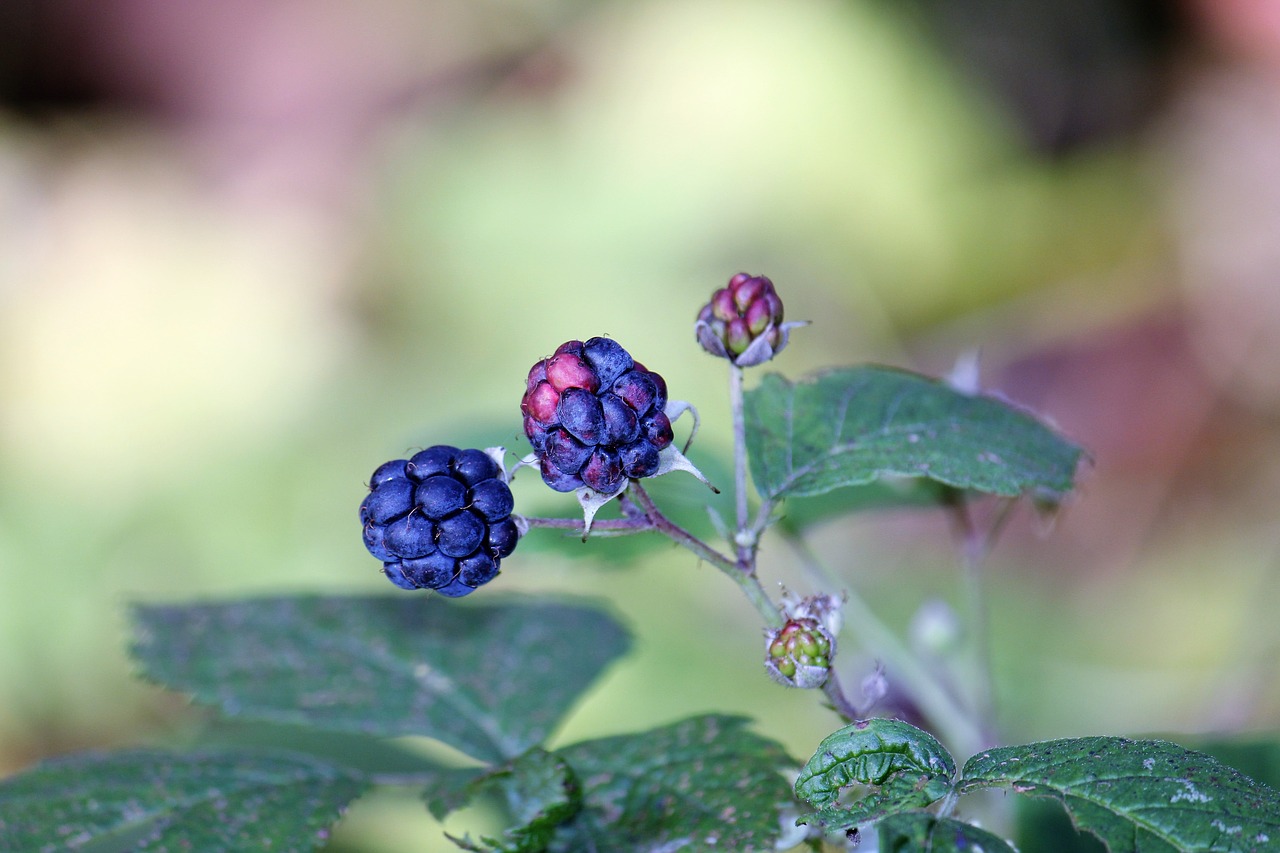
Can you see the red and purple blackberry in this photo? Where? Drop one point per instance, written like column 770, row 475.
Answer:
column 440, row 520
column 595, row 417
column 743, row 321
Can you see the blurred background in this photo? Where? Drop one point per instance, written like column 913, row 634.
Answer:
column 250, row 250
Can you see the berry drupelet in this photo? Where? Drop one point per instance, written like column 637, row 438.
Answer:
column 440, row 520
column 595, row 417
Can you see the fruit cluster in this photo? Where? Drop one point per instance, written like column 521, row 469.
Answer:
column 743, row 321
column 595, row 417
column 799, row 653
column 440, row 520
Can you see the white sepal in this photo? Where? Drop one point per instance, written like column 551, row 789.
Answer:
column 499, row 455
column 966, row 375
column 591, row 501
column 670, row 459
column 530, row 461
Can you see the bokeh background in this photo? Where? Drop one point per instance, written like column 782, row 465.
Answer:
column 249, row 250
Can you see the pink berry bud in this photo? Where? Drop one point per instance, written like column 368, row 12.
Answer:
column 799, row 653
column 743, row 321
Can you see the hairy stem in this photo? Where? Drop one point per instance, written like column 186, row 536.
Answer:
column 611, row 525
column 745, row 549
column 840, row 702
column 743, row 574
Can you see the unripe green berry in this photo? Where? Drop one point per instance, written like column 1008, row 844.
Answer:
column 799, row 653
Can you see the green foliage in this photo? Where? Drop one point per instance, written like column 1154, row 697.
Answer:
column 1042, row 825
column 1133, row 795
column 874, row 752
column 911, row 832
column 853, row 426
column 496, row 679
column 540, row 790
column 897, row 795
column 705, row 783
column 1147, row 795
column 220, row 800
column 491, row 680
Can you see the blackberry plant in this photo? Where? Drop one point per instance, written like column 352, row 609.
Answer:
column 494, row 678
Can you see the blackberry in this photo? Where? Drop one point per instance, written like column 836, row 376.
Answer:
column 743, row 321
column 440, row 520
column 799, row 653
column 594, row 416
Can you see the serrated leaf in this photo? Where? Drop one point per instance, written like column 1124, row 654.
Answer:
column 490, row 679
column 898, row 794
column 852, row 426
column 448, row 790
column 1148, row 795
column 921, row 832
column 871, row 752
column 539, row 790
column 1256, row 756
column 702, row 784
column 217, row 800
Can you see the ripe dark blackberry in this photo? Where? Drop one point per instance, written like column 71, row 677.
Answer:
column 440, row 520
column 595, row 416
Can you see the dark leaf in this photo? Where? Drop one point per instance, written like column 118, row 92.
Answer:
column 852, row 426
column 921, row 832
column 219, row 800
column 1147, row 795
column 490, row 679
column 872, row 752
column 702, row 784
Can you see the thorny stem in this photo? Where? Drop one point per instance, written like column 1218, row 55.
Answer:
column 611, row 525
column 840, row 702
column 742, row 574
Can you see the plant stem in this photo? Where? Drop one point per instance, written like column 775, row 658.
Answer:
column 974, row 547
column 745, row 550
column 743, row 574
column 840, row 702
column 612, row 525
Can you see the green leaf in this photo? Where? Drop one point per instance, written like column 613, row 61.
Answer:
column 910, row 832
column 490, row 679
column 898, row 794
column 449, row 789
column 871, row 752
column 216, row 800
column 1042, row 825
column 705, row 783
column 539, row 790
column 1147, row 795
column 1256, row 756
column 852, row 426
column 802, row 513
